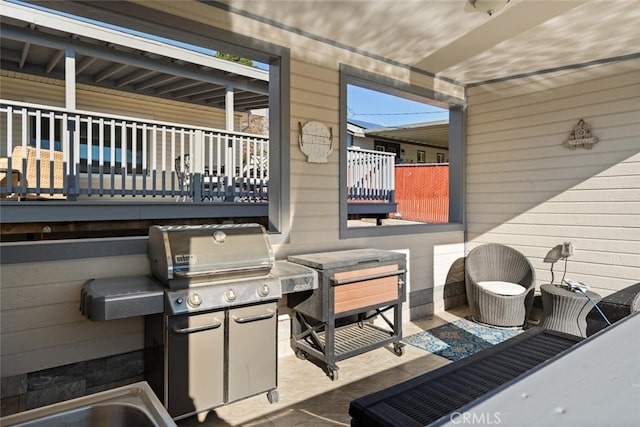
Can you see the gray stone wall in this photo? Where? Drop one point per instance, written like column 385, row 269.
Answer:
column 35, row 389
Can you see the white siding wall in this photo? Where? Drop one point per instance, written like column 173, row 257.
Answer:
column 41, row 323
column 526, row 190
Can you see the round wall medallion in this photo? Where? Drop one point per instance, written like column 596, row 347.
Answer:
column 315, row 141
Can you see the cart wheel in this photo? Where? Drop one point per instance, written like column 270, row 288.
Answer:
column 332, row 371
column 300, row 354
column 273, row 396
column 398, row 349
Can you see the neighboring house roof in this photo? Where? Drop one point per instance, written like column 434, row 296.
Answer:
column 364, row 125
column 34, row 41
column 430, row 133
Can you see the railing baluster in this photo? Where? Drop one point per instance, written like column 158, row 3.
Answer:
column 74, row 172
column 10, row 189
column 89, row 154
column 181, row 164
column 144, row 160
column 154, row 161
column 38, row 119
column 101, row 156
column 164, row 160
column 123, row 157
column 173, row 163
column 134, row 154
column 112, row 156
column 23, row 182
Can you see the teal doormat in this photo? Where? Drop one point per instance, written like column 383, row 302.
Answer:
column 459, row 339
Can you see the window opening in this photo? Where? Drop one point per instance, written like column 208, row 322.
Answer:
column 413, row 188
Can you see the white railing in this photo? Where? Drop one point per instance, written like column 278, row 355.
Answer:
column 56, row 153
column 370, row 175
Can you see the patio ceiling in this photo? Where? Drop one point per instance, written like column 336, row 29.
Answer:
column 454, row 41
column 143, row 66
column 449, row 39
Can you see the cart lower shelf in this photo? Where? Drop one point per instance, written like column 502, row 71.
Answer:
column 353, row 338
column 348, row 341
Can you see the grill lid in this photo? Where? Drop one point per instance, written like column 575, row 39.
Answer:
column 181, row 256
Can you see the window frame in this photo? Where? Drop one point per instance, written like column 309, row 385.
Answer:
column 278, row 211
column 457, row 143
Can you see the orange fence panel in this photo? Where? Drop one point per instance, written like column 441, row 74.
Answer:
column 422, row 192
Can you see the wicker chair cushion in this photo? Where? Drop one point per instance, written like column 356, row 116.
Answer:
column 502, row 288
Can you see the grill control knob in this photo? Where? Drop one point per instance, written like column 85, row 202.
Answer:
column 230, row 295
column 264, row 290
column 194, row 300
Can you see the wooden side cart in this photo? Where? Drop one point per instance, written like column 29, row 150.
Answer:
column 335, row 321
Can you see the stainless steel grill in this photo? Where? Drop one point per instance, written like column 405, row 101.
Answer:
column 216, row 341
column 210, row 310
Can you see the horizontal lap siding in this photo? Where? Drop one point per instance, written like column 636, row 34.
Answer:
column 40, row 320
column 526, row 190
column 313, row 185
column 20, row 87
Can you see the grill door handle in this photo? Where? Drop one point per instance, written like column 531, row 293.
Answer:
column 188, row 274
column 214, row 325
column 268, row 315
column 336, row 282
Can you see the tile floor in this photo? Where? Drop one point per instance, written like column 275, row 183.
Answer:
column 309, row 398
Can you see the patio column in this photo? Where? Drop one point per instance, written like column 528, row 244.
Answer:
column 72, row 125
column 70, row 79
column 228, row 103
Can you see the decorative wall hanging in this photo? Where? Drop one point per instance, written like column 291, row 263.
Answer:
column 580, row 137
column 315, row 141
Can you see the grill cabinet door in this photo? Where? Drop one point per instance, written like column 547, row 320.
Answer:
column 195, row 357
column 252, row 350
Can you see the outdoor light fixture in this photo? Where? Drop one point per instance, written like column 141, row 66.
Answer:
column 488, row 6
column 562, row 251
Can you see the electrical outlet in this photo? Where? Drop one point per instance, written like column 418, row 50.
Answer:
column 567, row 249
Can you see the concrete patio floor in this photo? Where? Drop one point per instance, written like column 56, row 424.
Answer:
column 309, row 398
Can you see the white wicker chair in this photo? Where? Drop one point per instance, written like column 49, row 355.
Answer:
column 495, row 262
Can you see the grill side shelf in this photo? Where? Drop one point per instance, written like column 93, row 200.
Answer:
column 120, row 298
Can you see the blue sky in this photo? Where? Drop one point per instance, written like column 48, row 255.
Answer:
column 388, row 110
